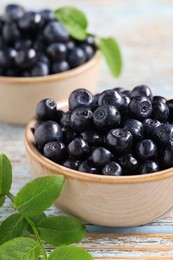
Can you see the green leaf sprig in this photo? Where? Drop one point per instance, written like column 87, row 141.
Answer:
column 22, row 233
column 76, row 23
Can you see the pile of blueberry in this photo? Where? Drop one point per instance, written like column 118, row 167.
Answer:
column 36, row 44
column 116, row 132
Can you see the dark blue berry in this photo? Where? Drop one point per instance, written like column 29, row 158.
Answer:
column 57, row 51
column 112, row 98
column 101, row 156
column 55, row 32
column 142, row 90
column 88, row 167
column 106, row 117
column 76, row 57
column 10, row 33
column 25, row 58
column 146, row 149
column 55, row 151
column 129, row 164
column 13, row 12
column 46, row 109
column 112, row 169
column 89, row 51
column 80, row 98
column 149, row 125
column 140, row 107
column 72, row 164
column 166, row 157
column 66, row 119
column 23, row 44
column 68, row 134
column 78, row 148
column 81, row 119
column 119, row 140
column 160, row 111
column 60, row 66
column 163, row 135
column 136, row 129
column 40, row 69
column 30, row 21
column 7, row 57
column 149, row 166
column 92, row 137
column 48, row 131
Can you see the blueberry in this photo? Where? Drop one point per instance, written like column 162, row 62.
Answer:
column 145, row 149
column 68, row 134
column 149, row 125
column 170, row 106
column 40, row 69
column 81, row 119
column 126, row 93
column 66, row 119
column 13, row 12
column 25, row 58
column 55, row 32
column 7, row 57
column 113, row 98
column 129, row 164
column 46, row 109
column 106, row 117
column 23, row 44
column 43, row 58
column 92, row 137
column 80, row 98
column 30, row 21
column 136, row 128
column 142, row 90
column 57, row 51
column 72, row 164
column 48, row 131
column 160, row 111
column 76, row 57
column 149, row 166
column 88, row 167
column 140, row 107
column 163, row 135
column 78, row 148
column 159, row 98
column 90, row 40
column 166, row 157
column 119, row 140
column 10, row 33
column 60, row 66
column 55, row 151
column 101, row 156
column 89, row 51
column 70, row 45
column 112, row 169
column 47, row 15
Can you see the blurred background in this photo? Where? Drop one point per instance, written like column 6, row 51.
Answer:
column 142, row 28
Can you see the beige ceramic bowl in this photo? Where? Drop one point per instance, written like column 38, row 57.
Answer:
column 106, row 200
column 19, row 96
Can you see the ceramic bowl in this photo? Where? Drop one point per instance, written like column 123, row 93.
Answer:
column 19, row 96
column 119, row 201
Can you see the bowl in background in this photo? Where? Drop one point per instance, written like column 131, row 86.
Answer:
column 116, row 201
column 19, row 96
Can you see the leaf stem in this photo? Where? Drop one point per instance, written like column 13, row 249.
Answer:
column 37, row 236
column 10, row 196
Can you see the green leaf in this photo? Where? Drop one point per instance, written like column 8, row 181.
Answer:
column 2, row 200
column 12, row 227
column 20, row 248
column 5, row 174
column 39, row 194
column 74, row 20
column 70, row 253
column 111, row 51
column 61, row 230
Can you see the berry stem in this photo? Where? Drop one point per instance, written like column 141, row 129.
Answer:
column 37, row 236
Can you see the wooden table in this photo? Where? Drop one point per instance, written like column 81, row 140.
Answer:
column 144, row 31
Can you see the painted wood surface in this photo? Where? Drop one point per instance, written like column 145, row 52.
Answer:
column 144, row 31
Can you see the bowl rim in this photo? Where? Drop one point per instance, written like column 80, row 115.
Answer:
column 67, row 172
column 58, row 76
